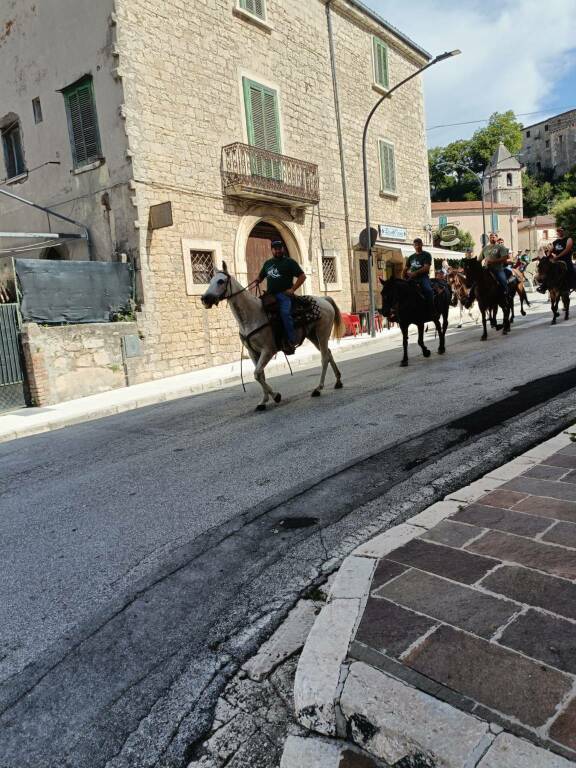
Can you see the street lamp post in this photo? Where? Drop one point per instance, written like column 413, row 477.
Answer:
column 387, row 95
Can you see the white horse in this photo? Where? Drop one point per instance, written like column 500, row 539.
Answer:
column 257, row 333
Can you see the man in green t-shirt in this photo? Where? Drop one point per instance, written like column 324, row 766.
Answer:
column 417, row 269
column 279, row 272
column 496, row 256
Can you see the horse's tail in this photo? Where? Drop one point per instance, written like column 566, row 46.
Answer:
column 338, row 329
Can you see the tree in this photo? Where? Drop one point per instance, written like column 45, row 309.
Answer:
column 537, row 195
column 565, row 213
column 450, row 178
column 502, row 127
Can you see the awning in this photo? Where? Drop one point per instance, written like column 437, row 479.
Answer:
column 407, row 249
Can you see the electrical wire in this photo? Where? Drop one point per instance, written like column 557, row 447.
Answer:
column 486, row 119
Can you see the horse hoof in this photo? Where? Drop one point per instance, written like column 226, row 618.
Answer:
column 441, row 351
column 277, row 397
column 261, row 407
column 523, row 312
column 404, row 363
column 316, row 393
column 426, row 352
column 338, row 385
column 484, row 338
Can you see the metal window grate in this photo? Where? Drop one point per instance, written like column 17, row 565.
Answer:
column 329, row 270
column 202, row 266
column 363, row 270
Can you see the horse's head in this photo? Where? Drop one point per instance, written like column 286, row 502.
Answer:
column 543, row 267
column 388, row 294
column 217, row 289
column 471, row 268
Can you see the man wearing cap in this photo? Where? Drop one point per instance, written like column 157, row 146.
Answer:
column 280, row 272
column 417, row 269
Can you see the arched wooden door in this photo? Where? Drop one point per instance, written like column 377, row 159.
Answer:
column 258, row 248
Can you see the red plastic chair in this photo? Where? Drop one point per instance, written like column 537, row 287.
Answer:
column 352, row 324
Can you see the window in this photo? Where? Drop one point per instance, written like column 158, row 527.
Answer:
column 363, row 265
column 13, row 153
column 545, row 127
column 255, row 7
column 380, row 56
column 387, row 167
column 263, row 127
column 82, row 122
column 494, row 222
column 329, row 264
column 527, row 134
column 508, row 179
column 442, row 221
column 560, row 139
column 545, row 234
column 200, row 260
column 202, row 263
column 547, row 143
column 37, row 109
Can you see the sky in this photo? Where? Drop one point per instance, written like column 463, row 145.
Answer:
column 516, row 54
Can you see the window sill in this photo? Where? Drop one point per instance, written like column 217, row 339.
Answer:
column 17, row 179
column 331, row 288
column 88, row 167
column 389, row 195
column 380, row 89
column 256, row 20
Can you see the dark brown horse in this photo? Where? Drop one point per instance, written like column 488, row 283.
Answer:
column 403, row 303
column 488, row 294
column 555, row 274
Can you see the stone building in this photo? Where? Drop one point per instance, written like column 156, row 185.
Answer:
column 551, row 144
column 241, row 119
column 501, row 218
column 503, row 180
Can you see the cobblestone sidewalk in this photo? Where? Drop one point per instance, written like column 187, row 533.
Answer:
column 459, row 629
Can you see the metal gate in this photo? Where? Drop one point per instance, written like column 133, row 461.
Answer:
column 11, row 368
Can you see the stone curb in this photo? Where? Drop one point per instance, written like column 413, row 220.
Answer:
column 330, row 700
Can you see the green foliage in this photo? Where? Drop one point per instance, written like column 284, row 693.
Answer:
column 502, row 127
column 465, row 241
column 565, row 213
column 537, row 195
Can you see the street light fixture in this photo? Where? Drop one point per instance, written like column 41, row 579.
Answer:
column 387, row 95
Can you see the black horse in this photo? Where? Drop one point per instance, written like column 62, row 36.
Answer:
column 403, row 303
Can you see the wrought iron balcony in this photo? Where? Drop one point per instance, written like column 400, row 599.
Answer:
column 257, row 174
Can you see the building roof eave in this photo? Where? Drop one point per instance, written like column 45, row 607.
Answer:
column 363, row 9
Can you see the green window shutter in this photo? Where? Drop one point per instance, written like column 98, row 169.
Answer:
column 387, row 167
column 256, row 7
column 442, row 221
column 83, row 123
column 494, row 222
column 262, row 116
column 380, row 62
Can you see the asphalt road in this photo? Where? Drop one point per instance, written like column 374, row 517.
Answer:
column 144, row 555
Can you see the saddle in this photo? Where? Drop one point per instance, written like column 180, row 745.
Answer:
column 305, row 313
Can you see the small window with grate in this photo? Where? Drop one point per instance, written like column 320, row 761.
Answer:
column 363, row 265
column 329, row 269
column 202, row 266
column 254, row 7
column 37, row 109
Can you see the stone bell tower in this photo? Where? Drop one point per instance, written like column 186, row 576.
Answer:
column 503, row 182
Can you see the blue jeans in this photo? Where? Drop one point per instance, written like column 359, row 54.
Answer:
column 426, row 287
column 502, row 277
column 285, row 309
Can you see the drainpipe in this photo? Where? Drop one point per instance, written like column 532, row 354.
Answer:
column 351, row 269
column 50, row 212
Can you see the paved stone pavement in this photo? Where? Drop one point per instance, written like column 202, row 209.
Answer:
column 472, row 623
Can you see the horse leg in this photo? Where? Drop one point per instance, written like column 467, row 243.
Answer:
column 523, row 299
column 327, row 359
column 554, row 301
column 441, row 331
column 566, row 302
column 485, row 333
column 461, row 314
column 506, row 322
column 423, row 347
column 404, row 329
column 262, row 361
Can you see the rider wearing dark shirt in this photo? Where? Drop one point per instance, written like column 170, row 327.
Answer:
column 562, row 249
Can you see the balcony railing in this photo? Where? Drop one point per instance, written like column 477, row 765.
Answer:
column 255, row 173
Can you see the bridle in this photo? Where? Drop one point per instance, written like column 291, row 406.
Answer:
column 229, row 296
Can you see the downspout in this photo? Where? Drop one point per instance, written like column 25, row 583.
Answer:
column 351, row 269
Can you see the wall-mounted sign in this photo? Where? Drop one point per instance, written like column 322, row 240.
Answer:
column 449, row 235
column 388, row 232
column 161, row 215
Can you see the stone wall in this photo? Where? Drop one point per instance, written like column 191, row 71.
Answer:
column 70, row 361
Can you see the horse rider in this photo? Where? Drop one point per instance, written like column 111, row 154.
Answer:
column 417, row 269
column 561, row 250
column 280, row 272
column 495, row 257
